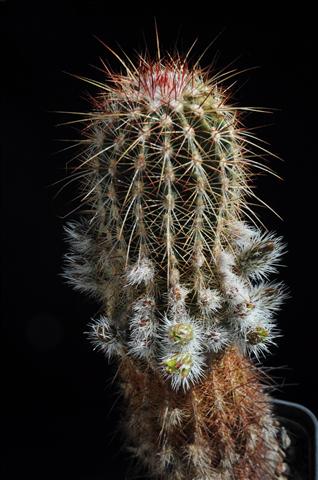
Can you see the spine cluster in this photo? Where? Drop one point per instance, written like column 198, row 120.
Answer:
column 169, row 245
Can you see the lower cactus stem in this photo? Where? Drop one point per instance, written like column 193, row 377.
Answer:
column 221, row 429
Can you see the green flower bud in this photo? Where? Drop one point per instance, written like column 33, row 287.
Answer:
column 179, row 363
column 181, row 333
column 257, row 335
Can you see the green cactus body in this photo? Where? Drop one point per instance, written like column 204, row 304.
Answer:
column 181, row 277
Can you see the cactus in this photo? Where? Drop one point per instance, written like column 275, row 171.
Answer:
column 170, row 248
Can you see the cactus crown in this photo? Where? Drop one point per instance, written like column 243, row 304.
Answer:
column 168, row 243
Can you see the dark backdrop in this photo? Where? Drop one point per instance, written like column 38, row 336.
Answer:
column 59, row 409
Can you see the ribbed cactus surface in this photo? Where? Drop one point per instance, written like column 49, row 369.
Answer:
column 168, row 245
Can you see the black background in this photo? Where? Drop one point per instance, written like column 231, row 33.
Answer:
column 59, row 408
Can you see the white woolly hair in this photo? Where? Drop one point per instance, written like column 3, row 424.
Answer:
column 269, row 296
column 143, row 327
column 251, row 318
column 225, row 261
column 235, row 287
column 144, row 305
column 79, row 274
column 77, row 237
column 141, row 271
column 209, row 300
column 262, row 348
column 177, row 295
column 242, row 233
column 177, row 301
column 250, row 305
column 79, row 269
column 216, row 338
column 256, row 266
column 104, row 338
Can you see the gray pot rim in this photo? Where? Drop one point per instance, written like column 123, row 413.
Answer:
column 307, row 420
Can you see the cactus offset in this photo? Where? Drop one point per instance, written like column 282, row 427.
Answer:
column 169, row 248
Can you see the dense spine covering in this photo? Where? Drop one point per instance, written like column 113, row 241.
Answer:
column 169, row 248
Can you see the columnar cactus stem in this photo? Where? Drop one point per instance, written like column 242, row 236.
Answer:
column 168, row 247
